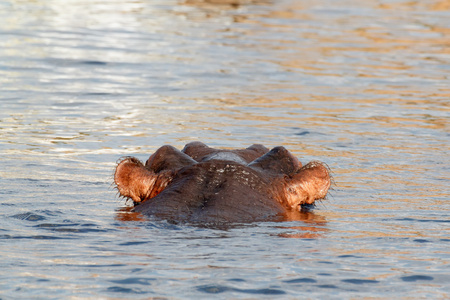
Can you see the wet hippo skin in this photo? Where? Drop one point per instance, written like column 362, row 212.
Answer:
column 203, row 184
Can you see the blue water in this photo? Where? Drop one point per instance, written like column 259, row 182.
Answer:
column 362, row 86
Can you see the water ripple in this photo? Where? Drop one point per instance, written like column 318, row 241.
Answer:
column 361, row 85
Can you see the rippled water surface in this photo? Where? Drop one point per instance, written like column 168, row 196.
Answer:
column 361, row 85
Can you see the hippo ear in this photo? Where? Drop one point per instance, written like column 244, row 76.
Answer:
column 309, row 184
column 168, row 158
column 135, row 181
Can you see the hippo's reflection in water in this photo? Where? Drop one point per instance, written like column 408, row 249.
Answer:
column 313, row 226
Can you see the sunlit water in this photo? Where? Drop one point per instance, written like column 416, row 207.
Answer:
column 361, row 85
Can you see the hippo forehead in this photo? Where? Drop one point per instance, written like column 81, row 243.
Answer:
column 220, row 177
column 275, row 162
column 225, row 156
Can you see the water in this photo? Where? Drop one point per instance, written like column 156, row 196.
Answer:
column 362, row 86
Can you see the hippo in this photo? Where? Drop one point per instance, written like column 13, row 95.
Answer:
column 200, row 184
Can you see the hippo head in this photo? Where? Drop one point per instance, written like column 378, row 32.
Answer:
column 203, row 184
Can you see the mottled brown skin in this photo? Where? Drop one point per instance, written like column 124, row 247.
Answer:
column 203, row 184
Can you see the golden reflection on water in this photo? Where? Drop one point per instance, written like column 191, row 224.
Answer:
column 313, row 226
column 360, row 85
column 389, row 38
column 439, row 5
column 222, row 4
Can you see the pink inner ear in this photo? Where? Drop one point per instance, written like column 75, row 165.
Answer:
column 311, row 183
column 133, row 180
